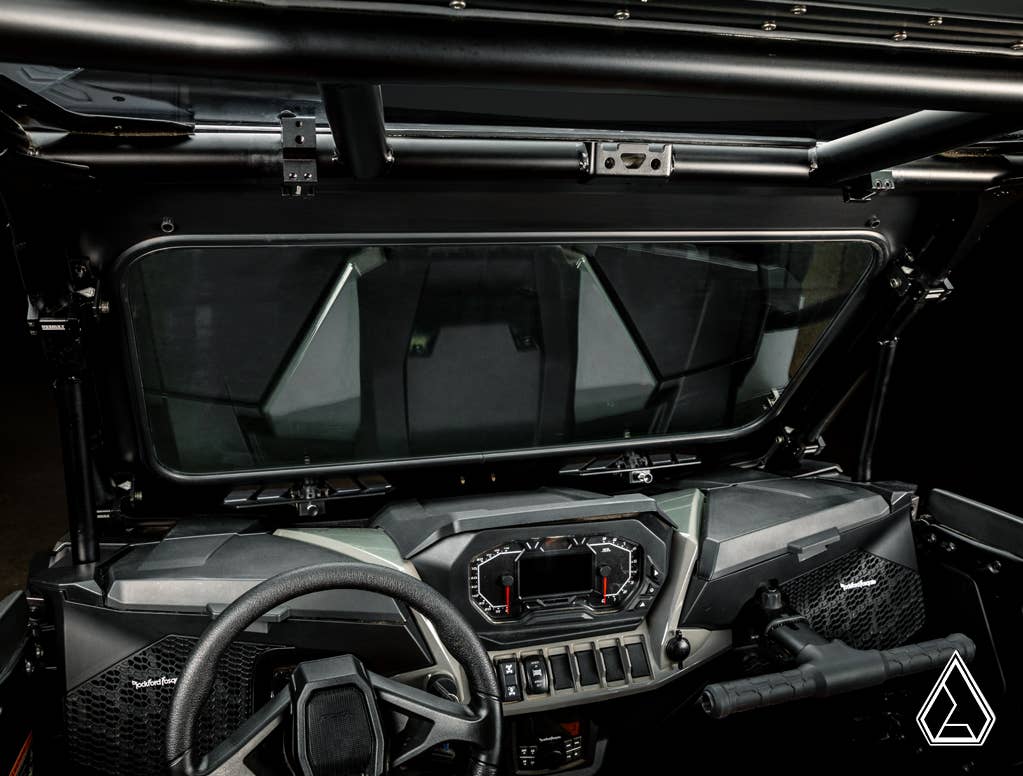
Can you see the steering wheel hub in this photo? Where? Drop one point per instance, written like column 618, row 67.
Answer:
column 335, row 723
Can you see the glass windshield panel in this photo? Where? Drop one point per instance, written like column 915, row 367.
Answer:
column 268, row 355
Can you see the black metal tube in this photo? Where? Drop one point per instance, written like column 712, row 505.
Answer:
column 77, row 474
column 356, row 117
column 253, row 41
column 906, row 139
column 257, row 154
column 882, row 376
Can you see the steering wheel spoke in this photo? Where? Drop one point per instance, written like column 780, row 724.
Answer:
column 423, row 720
column 229, row 755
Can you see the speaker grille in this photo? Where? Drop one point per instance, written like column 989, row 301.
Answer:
column 864, row 600
column 117, row 727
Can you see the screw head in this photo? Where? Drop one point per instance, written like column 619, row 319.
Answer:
column 935, row 21
column 622, row 15
column 798, row 10
column 769, row 26
column 458, row 5
column 1017, row 46
column 900, row 36
column 895, row 283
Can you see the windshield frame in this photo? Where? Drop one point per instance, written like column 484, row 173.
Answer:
column 881, row 251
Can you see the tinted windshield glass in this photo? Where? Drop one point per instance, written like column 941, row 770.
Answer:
column 283, row 355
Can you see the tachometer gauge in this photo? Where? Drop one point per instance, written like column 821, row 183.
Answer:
column 492, row 581
column 617, row 568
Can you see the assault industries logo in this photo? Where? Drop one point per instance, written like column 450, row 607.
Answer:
column 956, row 712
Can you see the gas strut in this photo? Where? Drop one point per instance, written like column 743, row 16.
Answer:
column 827, row 667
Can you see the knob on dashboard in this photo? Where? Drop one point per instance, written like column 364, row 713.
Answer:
column 678, row 648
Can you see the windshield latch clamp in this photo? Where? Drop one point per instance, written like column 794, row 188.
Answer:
column 651, row 160
column 298, row 155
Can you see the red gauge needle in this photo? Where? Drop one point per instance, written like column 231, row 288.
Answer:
column 605, row 590
column 507, row 599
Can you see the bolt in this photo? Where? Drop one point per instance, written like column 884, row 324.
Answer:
column 167, row 225
column 458, row 5
column 994, row 567
column 299, row 139
column 1017, row 46
column 873, row 222
column 900, row 36
column 622, row 15
column 895, row 283
column 779, row 440
column 798, row 10
column 769, row 26
column 104, row 307
column 935, row 21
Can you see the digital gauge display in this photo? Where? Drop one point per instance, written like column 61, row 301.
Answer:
column 598, row 572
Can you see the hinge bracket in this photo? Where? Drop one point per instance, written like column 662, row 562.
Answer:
column 298, row 155
column 866, row 187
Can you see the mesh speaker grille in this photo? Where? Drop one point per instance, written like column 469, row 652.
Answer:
column 866, row 601
column 116, row 727
column 341, row 740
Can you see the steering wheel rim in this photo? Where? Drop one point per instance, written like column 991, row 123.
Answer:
column 196, row 680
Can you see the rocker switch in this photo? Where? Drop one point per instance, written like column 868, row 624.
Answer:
column 508, row 678
column 535, row 669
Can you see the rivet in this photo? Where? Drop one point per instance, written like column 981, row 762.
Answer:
column 935, row 21
column 798, row 10
column 622, row 15
column 900, row 36
column 769, row 26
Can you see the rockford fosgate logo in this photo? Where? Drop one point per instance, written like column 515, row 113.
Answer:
column 856, row 585
column 163, row 681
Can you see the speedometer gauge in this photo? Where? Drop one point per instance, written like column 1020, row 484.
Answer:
column 492, row 581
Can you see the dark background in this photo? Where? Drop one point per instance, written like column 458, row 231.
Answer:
column 32, row 511
column 953, row 417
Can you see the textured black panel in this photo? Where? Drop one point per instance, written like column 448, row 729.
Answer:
column 866, row 601
column 341, row 740
column 117, row 727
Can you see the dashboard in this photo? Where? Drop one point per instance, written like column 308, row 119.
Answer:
column 578, row 597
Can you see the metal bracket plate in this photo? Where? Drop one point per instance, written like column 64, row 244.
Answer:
column 298, row 156
column 869, row 186
column 651, row 160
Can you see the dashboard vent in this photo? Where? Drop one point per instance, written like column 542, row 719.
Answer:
column 864, row 600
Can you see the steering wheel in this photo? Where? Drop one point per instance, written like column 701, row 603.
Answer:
column 335, row 707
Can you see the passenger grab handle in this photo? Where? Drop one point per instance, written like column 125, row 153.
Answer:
column 828, row 667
